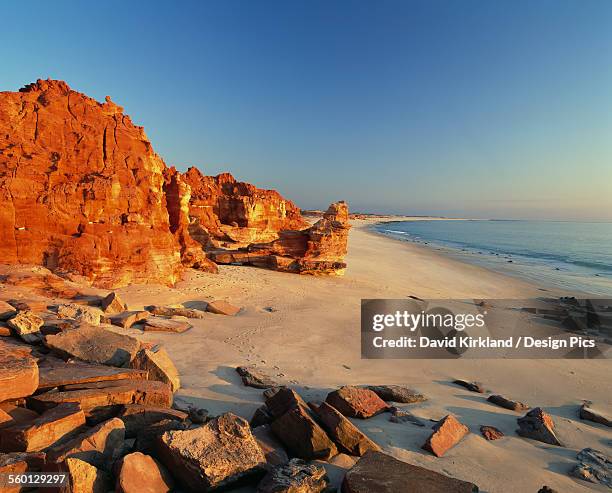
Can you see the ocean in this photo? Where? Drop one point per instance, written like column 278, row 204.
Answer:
column 572, row 256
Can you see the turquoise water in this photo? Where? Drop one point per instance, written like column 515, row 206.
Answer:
column 573, row 256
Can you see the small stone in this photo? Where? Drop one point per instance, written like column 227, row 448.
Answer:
column 397, row 393
column 356, row 402
column 294, row 477
column 27, row 325
column 214, row 455
column 593, row 414
column 593, row 466
column 159, row 366
column 501, row 401
column 447, row 433
column 140, row 473
column 538, row 425
column 471, row 386
column 112, row 304
column 253, row 377
column 220, row 307
column 491, row 433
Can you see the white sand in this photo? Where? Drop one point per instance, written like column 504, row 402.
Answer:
column 311, row 341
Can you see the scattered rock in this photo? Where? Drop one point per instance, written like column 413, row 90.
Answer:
column 112, row 304
column 400, row 416
column 273, row 450
column 279, row 400
column 139, row 473
column 356, row 402
column 538, row 425
column 80, row 313
column 597, row 416
column 27, row 325
column 158, row 365
column 94, row 344
column 397, row 393
column 448, row 432
column 350, row 439
column 43, row 431
column 100, row 446
column 501, row 401
column 221, row 307
column 6, row 311
column 253, row 377
column 137, row 417
column 127, row 319
column 491, row 433
column 294, row 477
column 159, row 324
column 85, row 478
column 18, row 373
column 471, row 386
column 377, row 472
column 57, row 373
column 214, row 455
column 175, row 311
column 593, row 466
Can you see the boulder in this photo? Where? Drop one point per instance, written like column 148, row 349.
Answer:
column 221, row 307
column 214, row 455
column 491, row 433
column 112, row 304
column 80, row 313
column 139, row 473
column 159, row 324
column 302, row 436
column 261, row 417
column 501, row 401
column 344, row 433
column 99, row 446
column 538, row 425
column 148, row 438
column 356, row 402
column 590, row 413
column 137, row 417
column 127, row 319
column 98, row 400
column 83, row 477
column 279, row 400
column 44, row 430
column 593, row 466
column 294, row 477
column 471, row 386
column 95, row 345
column 58, row 373
column 447, row 433
column 254, row 377
column 6, row 311
column 158, row 365
column 273, row 450
column 27, row 325
column 18, row 373
column 175, row 311
column 397, row 393
column 376, row 472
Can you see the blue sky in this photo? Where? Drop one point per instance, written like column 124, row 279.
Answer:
column 461, row 108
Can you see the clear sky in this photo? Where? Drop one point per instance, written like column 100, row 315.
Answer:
column 473, row 108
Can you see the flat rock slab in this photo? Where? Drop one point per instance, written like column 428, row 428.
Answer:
column 593, row 466
column 501, row 401
column 127, row 319
column 221, row 307
column 295, row 477
column 447, row 433
column 59, row 373
column 160, row 324
column 143, row 392
column 590, row 413
column 356, row 402
column 376, row 472
column 538, row 425
column 140, row 473
column 43, row 431
column 136, row 417
column 80, row 313
column 176, row 311
column 344, row 433
column 397, row 393
column 157, row 363
column 256, row 378
column 18, row 373
column 6, row 311
column 98, row 446
column 214, row 455
column 95, row 345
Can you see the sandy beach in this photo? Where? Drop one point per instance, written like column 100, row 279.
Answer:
column 304, row 331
